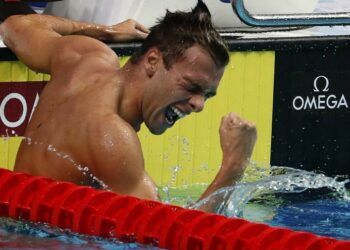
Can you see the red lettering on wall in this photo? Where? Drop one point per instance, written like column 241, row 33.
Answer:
column 17, row 103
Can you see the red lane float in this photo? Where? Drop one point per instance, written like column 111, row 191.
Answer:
column 94, row 212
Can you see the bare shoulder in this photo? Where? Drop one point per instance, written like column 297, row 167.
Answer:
column 72, row 50
column 117, row 158
column 117, row 132
column 114, row 146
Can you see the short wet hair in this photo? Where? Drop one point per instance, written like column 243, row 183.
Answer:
column 179, row 30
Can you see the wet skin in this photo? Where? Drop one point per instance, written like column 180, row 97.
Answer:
column 82, row 116
column 91, row 109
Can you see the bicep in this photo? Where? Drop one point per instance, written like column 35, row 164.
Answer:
column 31, row 44
column 71, row 51
column 42, row 48
column 120, row 166
column 144, row 188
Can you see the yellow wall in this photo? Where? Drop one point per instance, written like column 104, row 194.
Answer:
column 192, row 145
column 190, row 151
column 14, row 72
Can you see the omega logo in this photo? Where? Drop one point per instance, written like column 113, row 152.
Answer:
column 320, row 100
column 316, row 84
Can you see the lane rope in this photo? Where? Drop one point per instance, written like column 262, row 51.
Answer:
column 89, row 211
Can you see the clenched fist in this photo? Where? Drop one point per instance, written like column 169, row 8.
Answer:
column 237, row 139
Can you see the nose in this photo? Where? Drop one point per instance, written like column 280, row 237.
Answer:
column 197, row 103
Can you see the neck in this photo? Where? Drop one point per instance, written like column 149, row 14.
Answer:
column 130, row 101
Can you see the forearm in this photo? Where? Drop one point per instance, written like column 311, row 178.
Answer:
column 35, row 38
column 58, row 25
column 237, row 140
column 229, row 174
column 65, row 27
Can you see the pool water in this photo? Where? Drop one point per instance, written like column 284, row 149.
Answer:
column 325, row 216
column 23, row 235
column 267, row 201
column 295, row 199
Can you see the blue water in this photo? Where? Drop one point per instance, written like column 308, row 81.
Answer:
column 328, row 217
column 324, row 216
column 23, row 235
column 290, row 198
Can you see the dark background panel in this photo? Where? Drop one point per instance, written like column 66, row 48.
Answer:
column 314, row 133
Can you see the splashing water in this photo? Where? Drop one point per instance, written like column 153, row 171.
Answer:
column 7, row 135
column 83, row 169
column 230, row 201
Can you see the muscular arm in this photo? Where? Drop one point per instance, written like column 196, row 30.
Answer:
column 118, row 160
column 35, row 39
column 237, row 138
column 121, row 166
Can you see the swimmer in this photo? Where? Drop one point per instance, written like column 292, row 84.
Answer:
column 92, row 108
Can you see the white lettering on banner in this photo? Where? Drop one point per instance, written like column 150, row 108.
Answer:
column 320, row 101
column 18, row 101
column 34, row 105
column 21, row 119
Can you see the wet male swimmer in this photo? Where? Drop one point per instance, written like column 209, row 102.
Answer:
column 92, row 108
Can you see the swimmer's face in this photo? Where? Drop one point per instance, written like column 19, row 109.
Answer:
column 180, row 90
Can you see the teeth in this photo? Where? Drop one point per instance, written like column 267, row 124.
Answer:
column 169, row 121
column 172, row 114
column 178, row 112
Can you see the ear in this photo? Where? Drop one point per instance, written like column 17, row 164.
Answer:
column 153, row 58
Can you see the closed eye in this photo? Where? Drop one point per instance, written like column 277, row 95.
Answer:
column 197, row 89
column 210, row 95
column 194, row 88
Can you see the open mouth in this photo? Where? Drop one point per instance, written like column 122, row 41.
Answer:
column 173, row 114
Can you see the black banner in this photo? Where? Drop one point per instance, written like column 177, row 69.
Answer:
column 311, row 118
